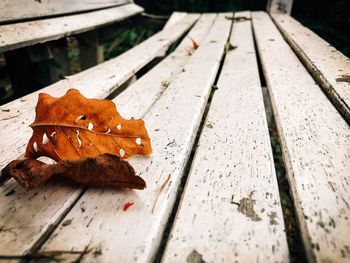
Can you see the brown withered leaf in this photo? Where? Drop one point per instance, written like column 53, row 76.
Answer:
column 106, row 170
column 73, row 127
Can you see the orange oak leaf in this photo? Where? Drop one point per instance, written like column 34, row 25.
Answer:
column 73, row 127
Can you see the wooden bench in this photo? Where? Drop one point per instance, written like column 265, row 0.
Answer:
column 212, row 193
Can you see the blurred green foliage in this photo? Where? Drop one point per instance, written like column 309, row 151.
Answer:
column 126, row 40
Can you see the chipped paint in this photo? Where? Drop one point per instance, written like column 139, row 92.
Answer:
column 246, row 207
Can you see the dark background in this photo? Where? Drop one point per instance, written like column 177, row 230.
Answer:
column 330, row 19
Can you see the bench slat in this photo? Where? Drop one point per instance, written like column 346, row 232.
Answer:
column 135, row 235
column 45, row 207
column 326, row 64
column 23, row 9
column 98, row 82
column 138, row 99
column 315, row 141
column 233, row 161
column 175, row 16
column 23, row 34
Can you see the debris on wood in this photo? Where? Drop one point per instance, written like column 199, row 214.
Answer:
column 237, row 18
column 127, row 205
column 195, row 45
column 343, row 78
column 195, row 257
column 229, row 47
column 246, row 207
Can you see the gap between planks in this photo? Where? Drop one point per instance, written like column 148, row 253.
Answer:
column 315, row 142
column 96, row 82
column 233, row 162
column 53, row 200
column 329, row 67
column 175, row 119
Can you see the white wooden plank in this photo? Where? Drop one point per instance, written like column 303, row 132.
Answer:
column 175, row 16
column 98, row 82
column 315, row 141
column 233, row 161
column 23, row 9
column 138, row 99
column 326, row 64
column 279, row 6
column 23, row 34
column 44, row 207
column 134, row 236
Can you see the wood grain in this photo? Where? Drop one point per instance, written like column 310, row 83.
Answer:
column 96, row 82
column 134, row 236
column 232, row 168
column 24, row 9
column 315, row 141
column 279, row 6
column 30, row 215
column 175, row 17
column 23, row 34
column 327, row 65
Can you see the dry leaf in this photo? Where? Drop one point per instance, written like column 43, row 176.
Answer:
column 74, row 127
column 106, row 169
column 194, row 43
column 237, row 18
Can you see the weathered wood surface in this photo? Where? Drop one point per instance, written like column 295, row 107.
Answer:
column 23, row 34
column 29, row 215
column 279, row 6
column 326, row 64
column 152, row 85
column 98, row 82
column 232, row 168
column 175, row 17
column 173, row 120
column 23, row 9
column 315, row 141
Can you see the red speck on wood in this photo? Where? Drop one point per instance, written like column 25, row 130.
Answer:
column 127, row 205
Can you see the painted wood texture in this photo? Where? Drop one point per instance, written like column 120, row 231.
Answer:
column 30, row 215
column 279, row 6
column 23, row 34
column 98, row 82
column 232, row 168
column 23, row 9
column 139, row 98
column 315, row 141
column 327, row 65
column 173, row 121
column 175, row 16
